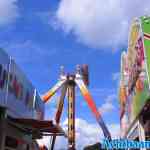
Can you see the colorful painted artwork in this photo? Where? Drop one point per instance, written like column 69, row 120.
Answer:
column 138, row 62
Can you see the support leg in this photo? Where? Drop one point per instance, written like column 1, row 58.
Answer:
column 71, row 116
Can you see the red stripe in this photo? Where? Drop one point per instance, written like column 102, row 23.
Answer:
column 92, row 105
column 147, row 35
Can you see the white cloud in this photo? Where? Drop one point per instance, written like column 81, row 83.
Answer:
column 8, row 11
column 111, row 97
column 108, row 106
column 116, row 76
column 99, row 23
column 86, row 133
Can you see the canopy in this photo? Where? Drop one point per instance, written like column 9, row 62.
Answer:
column 42, row 127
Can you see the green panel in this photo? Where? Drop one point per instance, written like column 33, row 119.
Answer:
column 139, row 99
column 145, row 24
column 147, row 52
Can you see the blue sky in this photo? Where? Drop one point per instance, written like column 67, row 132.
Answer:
column 44, row 35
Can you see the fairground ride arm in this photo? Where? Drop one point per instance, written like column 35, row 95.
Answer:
column 59, row 111
column 53, row 90
column 87, row 96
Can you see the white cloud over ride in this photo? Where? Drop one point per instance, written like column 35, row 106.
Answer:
column 98, row 23
column 86, row 134
column 108, row 106
column 8, row 11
